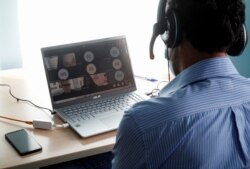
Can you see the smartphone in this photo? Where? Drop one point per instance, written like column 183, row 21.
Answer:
column 23, row 142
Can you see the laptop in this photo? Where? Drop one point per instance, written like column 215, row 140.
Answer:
column 91, row 83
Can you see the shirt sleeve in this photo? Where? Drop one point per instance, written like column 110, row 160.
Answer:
column 129, row 148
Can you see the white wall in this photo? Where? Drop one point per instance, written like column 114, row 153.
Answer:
column 50, row 22
column 10, row 53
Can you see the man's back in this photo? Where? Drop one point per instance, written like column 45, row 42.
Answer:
column 200, row 120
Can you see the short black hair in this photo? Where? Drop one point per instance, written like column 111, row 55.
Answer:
column 210, row 25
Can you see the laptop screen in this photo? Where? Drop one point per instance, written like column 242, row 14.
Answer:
column 88, row 70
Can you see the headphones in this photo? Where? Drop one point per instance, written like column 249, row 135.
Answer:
column 168, row 26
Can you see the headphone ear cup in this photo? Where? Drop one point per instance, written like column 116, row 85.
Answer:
column 172, row 36
column 239, row 45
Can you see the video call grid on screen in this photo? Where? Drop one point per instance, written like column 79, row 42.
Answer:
column 85, row 69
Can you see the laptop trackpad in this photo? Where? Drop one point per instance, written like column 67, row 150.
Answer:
column 112, row 121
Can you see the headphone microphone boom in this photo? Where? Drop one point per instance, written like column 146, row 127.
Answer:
column 158, row 27
column 156, row 31
column 168, row 26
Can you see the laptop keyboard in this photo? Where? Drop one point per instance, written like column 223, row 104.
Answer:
column 102, row 108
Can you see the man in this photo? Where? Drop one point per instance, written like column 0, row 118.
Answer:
column 201, row 119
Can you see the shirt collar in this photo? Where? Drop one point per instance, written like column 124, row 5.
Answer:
column 208, row 68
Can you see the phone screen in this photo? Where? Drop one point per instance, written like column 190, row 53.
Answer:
column 23, row 142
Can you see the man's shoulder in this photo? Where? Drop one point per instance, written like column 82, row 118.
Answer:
column 190, row 100
column 152, row 112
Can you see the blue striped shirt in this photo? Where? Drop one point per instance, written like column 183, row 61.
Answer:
column 201, row 120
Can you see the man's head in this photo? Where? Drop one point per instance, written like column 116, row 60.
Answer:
column 210, row 25
column 199, row 29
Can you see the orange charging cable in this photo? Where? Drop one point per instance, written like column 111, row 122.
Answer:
column 23, row 121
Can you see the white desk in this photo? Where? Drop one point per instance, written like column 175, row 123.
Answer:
column 59, row 145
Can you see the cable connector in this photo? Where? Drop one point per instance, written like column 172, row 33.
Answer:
column 43, row 124
column 65, row 125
